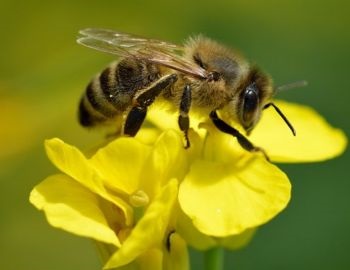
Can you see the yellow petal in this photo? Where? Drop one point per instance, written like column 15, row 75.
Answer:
column 226, row 199
column 150, row 230
column 191, row 235
column 165, row 117
column 71, row 161
column 151, row 259
column 237, row 241
column 167, row 160
column 148, row 135
column 221, row 147
column 177, row 257
column 120, row 163
column 73, row 208
column 316, row 140
column 162, row 116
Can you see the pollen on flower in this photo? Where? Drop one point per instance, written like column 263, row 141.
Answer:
column 139, row 198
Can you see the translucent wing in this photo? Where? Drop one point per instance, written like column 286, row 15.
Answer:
column 127, row 45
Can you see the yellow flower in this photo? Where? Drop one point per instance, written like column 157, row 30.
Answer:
column 146, row 197
column 228, row 192
column 106, row 198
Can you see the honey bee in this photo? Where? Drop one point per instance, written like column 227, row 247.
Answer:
column 200, row 75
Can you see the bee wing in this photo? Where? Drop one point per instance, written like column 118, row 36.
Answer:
column 127, row 45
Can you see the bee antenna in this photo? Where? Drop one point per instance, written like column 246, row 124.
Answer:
column 282, row 116
column 291, row 85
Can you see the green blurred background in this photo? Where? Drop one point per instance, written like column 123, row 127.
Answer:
column 43, row 73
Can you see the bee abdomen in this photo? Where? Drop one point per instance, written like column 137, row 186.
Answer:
column 110, row 94
column 96, row 105
column 88, row 116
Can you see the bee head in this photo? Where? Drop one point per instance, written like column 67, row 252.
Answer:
column 255, row 92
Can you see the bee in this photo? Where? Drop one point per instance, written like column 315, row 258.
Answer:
column 201, row 75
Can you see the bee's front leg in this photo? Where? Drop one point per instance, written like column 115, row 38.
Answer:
column 242, row 140
column 142, row 100
column 184, row 120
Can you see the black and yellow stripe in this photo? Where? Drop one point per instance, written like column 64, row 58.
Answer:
column 110, row 93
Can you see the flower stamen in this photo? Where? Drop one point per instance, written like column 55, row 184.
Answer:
column 139, row 198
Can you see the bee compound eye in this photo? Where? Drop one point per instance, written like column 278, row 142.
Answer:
column 250, row 105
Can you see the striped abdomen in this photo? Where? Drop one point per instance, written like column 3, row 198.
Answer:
column 110, row 93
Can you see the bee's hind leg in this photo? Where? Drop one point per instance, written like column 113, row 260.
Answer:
column 242, row 140
column 142, row 100
column 184, row 120
column 134, row 120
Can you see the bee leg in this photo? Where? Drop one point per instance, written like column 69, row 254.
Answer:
column 242, row 140
column 142, row 100
column 184, row 120
column 134, row 120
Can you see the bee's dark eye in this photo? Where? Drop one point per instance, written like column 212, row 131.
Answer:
column 250, row 105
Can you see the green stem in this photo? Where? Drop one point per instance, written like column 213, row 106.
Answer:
column 214, row 259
